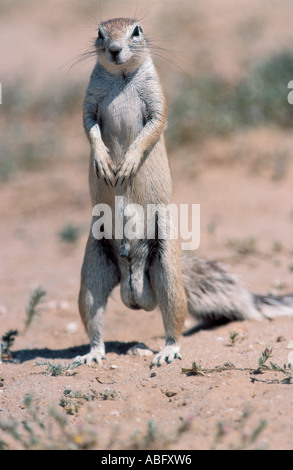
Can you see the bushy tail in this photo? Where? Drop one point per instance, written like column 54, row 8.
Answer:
column 271, row 306
column 215, row 294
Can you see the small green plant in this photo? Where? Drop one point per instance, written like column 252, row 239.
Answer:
column 6, row 343
column 70, row 233
column 197, row 369
column 265, row 355
column 59, row 369
column 263, row 367
column 33, row 310
column 109, row 394
column 70, row 407
column 233, row 337
column 72, row 401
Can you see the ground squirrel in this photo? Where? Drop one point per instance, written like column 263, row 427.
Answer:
column 125, row 116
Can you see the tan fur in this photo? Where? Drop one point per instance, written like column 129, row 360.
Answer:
column 125, row 115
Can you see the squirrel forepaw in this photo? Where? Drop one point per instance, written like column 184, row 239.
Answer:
column 127, row 169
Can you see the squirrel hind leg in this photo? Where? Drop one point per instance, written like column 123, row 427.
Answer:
column 168, row 285
column 100, row 274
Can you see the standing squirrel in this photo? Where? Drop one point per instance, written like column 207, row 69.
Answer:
column 125, row 115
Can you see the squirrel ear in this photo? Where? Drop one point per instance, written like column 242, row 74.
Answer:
column 137, row 30
column 100, row 34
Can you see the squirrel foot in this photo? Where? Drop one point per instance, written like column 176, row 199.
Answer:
column 168, row 354
column 94, row 357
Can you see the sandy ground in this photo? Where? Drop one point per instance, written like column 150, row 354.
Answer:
column 124, row 404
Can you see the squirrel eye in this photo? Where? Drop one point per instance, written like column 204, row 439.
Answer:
column 100, row 35
column 137, row 30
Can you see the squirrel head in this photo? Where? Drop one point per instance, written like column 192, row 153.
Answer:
column 121, row 44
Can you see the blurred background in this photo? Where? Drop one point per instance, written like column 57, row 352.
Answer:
column 225, row 68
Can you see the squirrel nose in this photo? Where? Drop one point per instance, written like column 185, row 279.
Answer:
column 115, row 48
